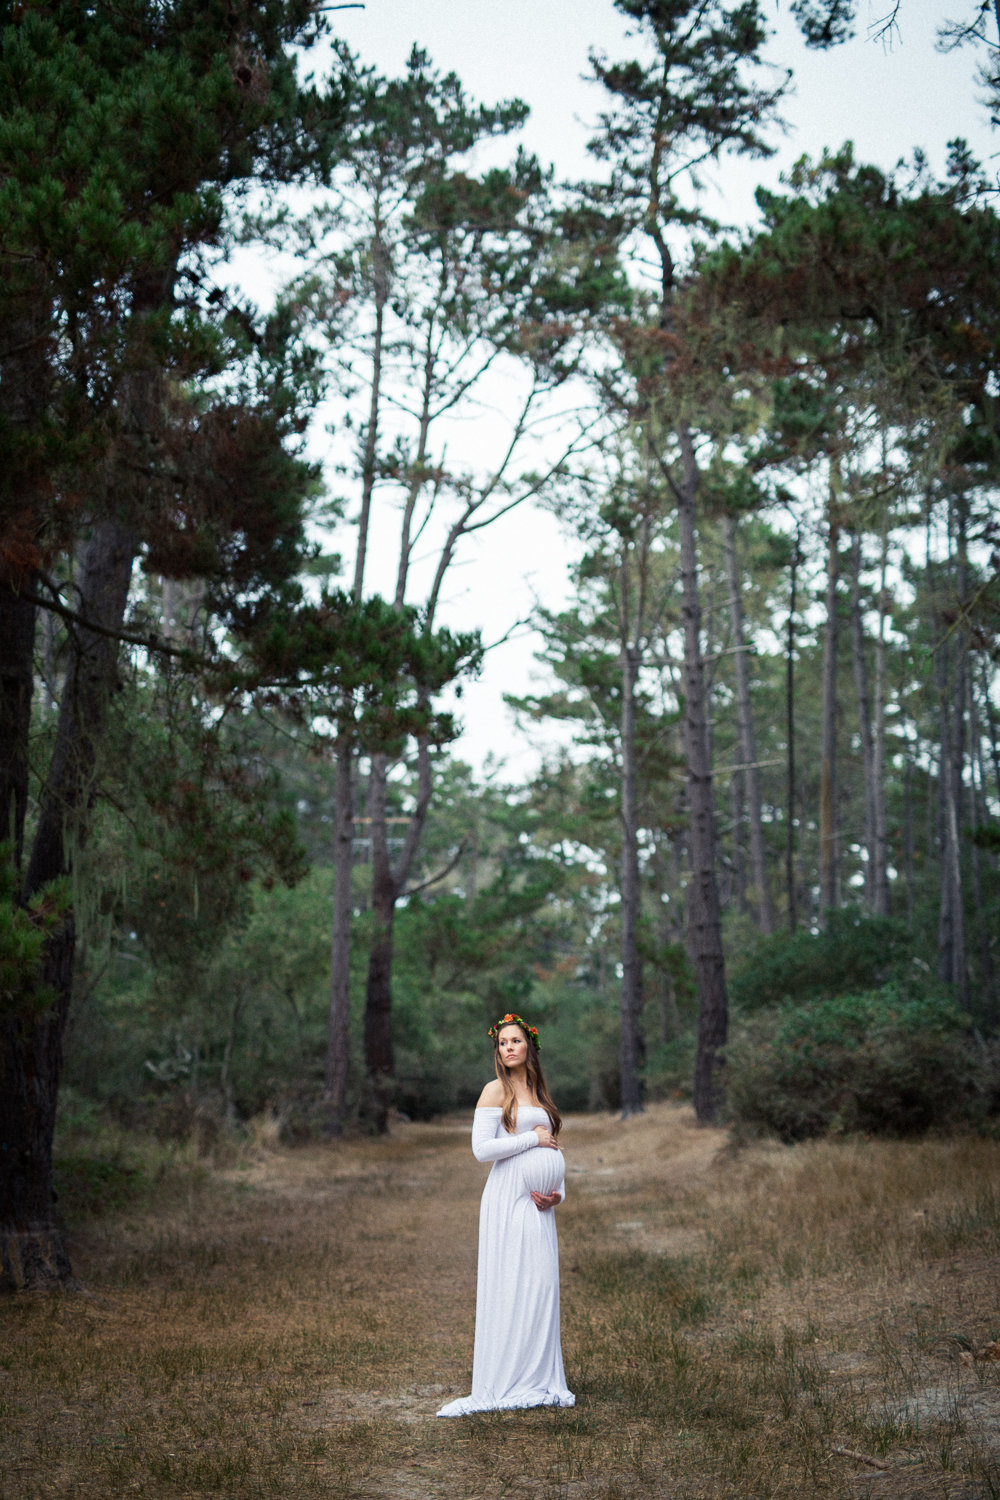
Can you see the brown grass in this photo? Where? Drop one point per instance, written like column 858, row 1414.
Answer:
column 777, row 1322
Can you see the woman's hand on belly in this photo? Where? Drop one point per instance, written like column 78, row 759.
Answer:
column 542, row 1201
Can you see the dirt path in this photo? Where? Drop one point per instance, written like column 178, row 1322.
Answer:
column 778, row 1323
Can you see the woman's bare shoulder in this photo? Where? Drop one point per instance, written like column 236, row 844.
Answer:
column 492, row 1095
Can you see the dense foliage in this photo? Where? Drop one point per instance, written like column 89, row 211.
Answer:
column 885, row 1062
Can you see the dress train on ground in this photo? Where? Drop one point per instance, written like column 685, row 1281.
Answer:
column 517, row 1361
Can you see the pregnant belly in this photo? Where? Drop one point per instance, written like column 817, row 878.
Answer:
column 542, row 1170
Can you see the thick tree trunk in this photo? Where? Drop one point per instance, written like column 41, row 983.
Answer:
column 17, row 643
column 32, row 1247
column 32, row 1252
column 748, row 738
column 64, row 813
column 704, row 917
column 828, row 850
column 631, row 993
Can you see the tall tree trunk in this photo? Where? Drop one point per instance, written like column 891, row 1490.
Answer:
column 704, row 916
column 880, row 855
column 388, row 884
column 791, row 795
column 828, row 851
column 737, row 891
column 32, row 1250
column 17, row 643
column 951, row 923
column 379, row 1057
column 992, row 726
column 976, row 803
column 950, row 662
column 864, row 718
column 64, row 812
column 951, row 701
column 909, row 851
column 748, row 738
column 631, row 993
column 338, row 1046
column 32, row 1246
column 670, row 1021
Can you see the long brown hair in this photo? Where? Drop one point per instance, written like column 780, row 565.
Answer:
column 536, row 1082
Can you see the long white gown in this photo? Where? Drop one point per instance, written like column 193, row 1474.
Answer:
column 517, row 1360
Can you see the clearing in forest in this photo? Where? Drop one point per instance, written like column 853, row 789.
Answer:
column 771, row 1322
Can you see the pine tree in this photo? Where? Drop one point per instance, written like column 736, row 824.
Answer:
column 124, row 129
column 689, row 98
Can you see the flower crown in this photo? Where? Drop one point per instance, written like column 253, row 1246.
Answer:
column 509, row 1020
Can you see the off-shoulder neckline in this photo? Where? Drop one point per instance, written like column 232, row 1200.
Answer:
column 497, row 1109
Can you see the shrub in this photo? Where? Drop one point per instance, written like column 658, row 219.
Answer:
column 855, row 952
column 880, row 1062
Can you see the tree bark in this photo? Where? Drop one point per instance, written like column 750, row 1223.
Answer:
column 32, row 1250
column 90, row 682
column 950, row 666
column 339, row 1027
column 791, row 789
column 670, row 1021
column 631, row 992
column 909, row 851
column 748, row 738
column 338, row 1046
column 32, row 1246
column 977, row 816
column 993, row 727
column 828, row 850
column 388, row 884
column 704, row 916
column 17, row 642
column 880, row 796
column 864, row 718
column 379, row 1056
column 951, row 922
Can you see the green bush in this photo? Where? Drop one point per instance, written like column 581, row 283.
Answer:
column 882, row 1063
column 855, row 952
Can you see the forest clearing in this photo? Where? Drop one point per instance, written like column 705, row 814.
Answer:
column 769, row 1321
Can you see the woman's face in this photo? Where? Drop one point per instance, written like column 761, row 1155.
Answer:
column 513, row 1046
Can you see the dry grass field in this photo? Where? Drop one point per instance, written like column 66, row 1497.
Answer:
column 770, row 1322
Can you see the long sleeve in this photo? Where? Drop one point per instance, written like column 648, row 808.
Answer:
column 491, row 1143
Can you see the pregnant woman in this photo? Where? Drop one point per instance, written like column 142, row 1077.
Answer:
column 517, row 1360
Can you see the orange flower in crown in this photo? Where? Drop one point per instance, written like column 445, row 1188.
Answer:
column 511, row 1020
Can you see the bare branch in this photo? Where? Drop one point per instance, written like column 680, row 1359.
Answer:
column 151, row 642
column 435, row 879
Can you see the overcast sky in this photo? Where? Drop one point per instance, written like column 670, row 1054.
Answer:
column 888, row 97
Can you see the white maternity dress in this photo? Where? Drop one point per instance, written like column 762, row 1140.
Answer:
column 517, row 1360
